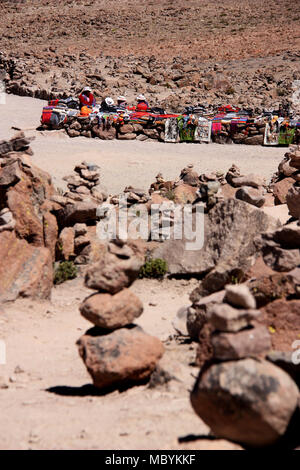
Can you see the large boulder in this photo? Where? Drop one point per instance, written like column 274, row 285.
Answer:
column 125, row 356
column 112, row 311
column 246, row 401
column 25, row 270
column 229, row 232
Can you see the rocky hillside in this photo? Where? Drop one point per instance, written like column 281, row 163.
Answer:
column 245, row 52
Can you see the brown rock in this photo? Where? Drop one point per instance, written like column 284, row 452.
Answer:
column 225, row 318
column 79, row 212
column 293, row 201
column 268, row 287
column 252, row 180
column 246, row 401
column 126, row 129
column 184, row 194
column 283, row 316
column 131, row 136
column 10, row 175
column 254, row 140
column 50, row 232
column 25, row 270
column 112, row 273
column 251, row 195
column 281, row 188
column 65, row 243
column 238, row 345
column 239, row 296
column 122, row 357
column 112, row 311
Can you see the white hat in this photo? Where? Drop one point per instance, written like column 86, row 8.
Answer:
column 87, row 88
column 121, row 98
column 109, row 101
column 141, row 98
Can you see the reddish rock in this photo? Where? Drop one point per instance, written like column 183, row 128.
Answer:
column 112, row 311
column 280, row 190
column 50, row 232
column 268, row 287
column 25, row 270
column 79, row 212
column 119, row 358
column 251, row 195
column 126, row 129
column 112, row 273
column 184, row 194
column 283, row 316
column 248, row 401
column 238, row 345
column 65, row 243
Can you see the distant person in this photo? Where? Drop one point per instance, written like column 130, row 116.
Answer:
column 108, row 105
column 86, row 97
column 121, row 102
column 142, row 103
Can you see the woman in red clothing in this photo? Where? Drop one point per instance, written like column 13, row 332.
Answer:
column 142, row 103
column 86, row 97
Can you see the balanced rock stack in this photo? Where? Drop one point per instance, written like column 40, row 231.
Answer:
column 241, row 396
column 85, row 183
column 116, row 352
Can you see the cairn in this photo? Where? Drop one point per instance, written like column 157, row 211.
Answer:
column 116, row 352
column 85, row 183
column 241, row 396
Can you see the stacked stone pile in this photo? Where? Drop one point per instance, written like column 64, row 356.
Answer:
column 286, row 180
column 77, row 126
column 116, row 352
column 241, row 396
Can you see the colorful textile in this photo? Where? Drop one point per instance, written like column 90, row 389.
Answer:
column 286, row 135
column 186, row 130
column 86, row 100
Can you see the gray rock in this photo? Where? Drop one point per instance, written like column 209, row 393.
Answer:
column 229, row 231
column 246, row 401
column 251, row 195
column 293, row 201
column 240, row 296
column 223, row 317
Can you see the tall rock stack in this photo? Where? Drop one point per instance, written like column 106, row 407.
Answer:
column 84, row 183
column 116, row 352
column 241, row 396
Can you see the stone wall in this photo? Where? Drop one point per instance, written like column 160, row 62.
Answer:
column 244, row 133
column 248, row 133
column 83, row 126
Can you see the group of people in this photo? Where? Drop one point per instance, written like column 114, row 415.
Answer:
column 87, row 100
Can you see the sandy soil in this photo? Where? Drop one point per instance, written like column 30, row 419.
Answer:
column 48, row 403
